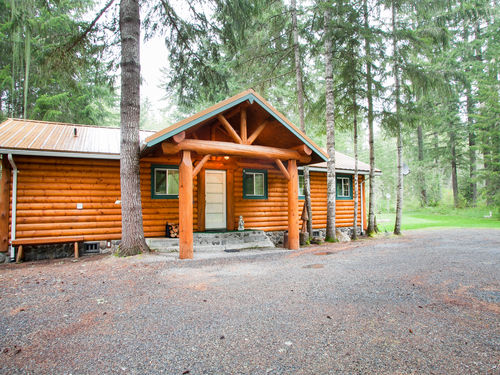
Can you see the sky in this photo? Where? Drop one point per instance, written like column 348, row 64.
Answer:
column 154, row 57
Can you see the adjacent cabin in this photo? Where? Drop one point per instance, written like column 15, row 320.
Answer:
column 240, row 157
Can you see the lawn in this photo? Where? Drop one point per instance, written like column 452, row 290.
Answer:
column 417, row 219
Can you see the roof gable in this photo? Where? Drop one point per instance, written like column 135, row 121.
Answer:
column 252, row 97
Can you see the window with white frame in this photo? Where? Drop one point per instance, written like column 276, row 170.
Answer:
column 344, row 187
column 165, row 181
column 301, row 185
column 254, row 184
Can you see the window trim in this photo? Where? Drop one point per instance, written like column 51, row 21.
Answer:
column 337, row 176
column 154, row 168
column 255, row 171
column 301, row 173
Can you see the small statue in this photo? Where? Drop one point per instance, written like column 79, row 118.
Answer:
column 241, row 224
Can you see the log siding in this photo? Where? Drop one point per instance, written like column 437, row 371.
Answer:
column 49, row 189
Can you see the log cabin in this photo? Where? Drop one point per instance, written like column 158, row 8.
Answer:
column 239, row 158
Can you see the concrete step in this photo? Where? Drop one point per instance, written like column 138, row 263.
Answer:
column 207, row 241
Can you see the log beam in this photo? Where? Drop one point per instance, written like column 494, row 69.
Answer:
column 282, row 168
column 243, row 125
column 204, row 147
column 232, row 133
column 303, row 149
column 200, row 165
column 186, row 206
column 256, row 133
column 179, row 137
column 293, row 206
column 4, row 204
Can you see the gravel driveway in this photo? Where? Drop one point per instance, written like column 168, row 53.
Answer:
column 424, row 303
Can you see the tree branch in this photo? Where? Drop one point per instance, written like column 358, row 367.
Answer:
column 90, row 27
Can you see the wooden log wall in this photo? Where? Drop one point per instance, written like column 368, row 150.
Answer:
column 50, row 188
column 271, row 214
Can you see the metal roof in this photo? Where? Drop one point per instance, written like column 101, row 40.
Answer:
column 345, row 163
column 30, row 137
column 34, row 137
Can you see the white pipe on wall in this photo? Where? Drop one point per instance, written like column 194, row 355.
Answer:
column 362, row 206
column 14, row 207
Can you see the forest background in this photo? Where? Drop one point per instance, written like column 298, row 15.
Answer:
column 431, row 69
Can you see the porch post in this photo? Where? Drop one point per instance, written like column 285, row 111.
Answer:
column 186, row 206
column 293, row 206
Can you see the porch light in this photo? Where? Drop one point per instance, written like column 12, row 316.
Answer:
column 226, row 157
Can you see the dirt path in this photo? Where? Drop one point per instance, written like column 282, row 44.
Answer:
column 428, row 302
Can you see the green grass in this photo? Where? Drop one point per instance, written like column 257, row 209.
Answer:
column 440, row 217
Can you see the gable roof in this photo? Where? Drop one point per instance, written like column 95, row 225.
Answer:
column 248, row 95
column 45, row 138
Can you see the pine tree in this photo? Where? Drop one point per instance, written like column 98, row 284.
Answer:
column 132, row 241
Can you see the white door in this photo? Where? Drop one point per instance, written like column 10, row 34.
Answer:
column 215, row 199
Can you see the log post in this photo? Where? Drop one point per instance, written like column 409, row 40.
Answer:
column 186, row 206
column 243, row 125
column 4, row 204
column 201, row 200
column 20, row 254
column 77, row 254
column 293, row 206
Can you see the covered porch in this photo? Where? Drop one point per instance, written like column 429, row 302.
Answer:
column 230, row 150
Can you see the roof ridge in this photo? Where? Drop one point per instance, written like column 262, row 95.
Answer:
column 61, row 123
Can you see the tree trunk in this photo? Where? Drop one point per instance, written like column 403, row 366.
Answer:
column 132, row 241
column 454, row 181
column 472, row 151
column 330, row 133
column 369, row 95
column 300, row 99
column 356, row 193
column 14, row 61
column 27, row 61
column 421, row 173
column 399, row 193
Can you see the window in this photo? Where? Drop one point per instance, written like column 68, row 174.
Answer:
column 254, row 184
column 344, row 187
column 301, row 185
column 164, row 181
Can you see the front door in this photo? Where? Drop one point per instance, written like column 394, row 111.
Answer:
column 215, row 199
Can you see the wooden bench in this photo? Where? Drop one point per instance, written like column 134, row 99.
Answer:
column 44, row 241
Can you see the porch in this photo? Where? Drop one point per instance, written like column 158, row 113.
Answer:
column 228, row 241
column 220, row 160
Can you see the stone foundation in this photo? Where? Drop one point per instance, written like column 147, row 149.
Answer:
column 223, row 241
column 276, row 237
column 60, row 250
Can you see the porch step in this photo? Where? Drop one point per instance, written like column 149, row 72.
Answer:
column 206, row 241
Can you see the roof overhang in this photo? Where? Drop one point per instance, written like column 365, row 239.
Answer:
column 340, row 170
column 60, row 154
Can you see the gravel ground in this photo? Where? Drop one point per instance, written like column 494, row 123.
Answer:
column 424, row 303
